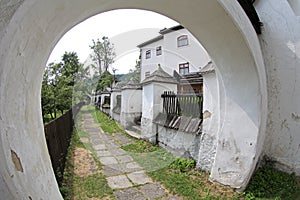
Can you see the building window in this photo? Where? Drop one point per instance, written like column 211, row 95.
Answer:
column 148, row 54
column 184, row 68
column 182, row 41
column 158, row 51
column 147, row 74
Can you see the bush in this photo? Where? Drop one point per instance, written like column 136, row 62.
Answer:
column 183, row 165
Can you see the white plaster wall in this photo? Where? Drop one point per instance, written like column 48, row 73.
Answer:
column 29, row 34
column 194, row 53
column 151, row 64
column 211, row 122
column 152, row 101
column 147, row 101
column 281, row 47
column 113, row 101
column 152, row 106
column 172, row 56
column 131, row 101
column 179, row 143
column 211, row 104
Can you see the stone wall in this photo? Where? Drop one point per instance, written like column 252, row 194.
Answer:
column 179, row 143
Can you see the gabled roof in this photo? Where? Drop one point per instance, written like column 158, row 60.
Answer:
column 132, row 84
column 208, row 68
column 159, row 75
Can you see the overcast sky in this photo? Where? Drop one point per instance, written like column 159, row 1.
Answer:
column 125, row 28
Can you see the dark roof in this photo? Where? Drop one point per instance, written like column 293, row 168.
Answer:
column 162, row 32
column 151, row 41
column 191, row 78
column 168, row 30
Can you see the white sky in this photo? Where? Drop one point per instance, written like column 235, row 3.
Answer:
column 125, row 28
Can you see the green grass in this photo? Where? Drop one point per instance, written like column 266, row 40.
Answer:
column 184, row 180
column 141, row 146
column 180, row 177
column 176, row 174
column 269, row 183
column 93, row 186
column 106, row 124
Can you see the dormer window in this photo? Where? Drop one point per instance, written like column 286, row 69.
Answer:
column 182, row 41
column 148, row 54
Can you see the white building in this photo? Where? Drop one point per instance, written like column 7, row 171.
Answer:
column 174, row 49
column 259, row 81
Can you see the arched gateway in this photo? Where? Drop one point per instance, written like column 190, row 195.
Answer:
column 31, row 28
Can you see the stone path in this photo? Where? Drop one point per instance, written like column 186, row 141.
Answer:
column 128, row 180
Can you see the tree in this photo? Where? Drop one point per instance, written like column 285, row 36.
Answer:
column 135, row 74
column 105, row 81
column 62, row 83
column 104, row 53
column 47, row 95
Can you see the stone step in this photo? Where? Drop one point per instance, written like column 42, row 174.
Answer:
column 137, row 128
column 133, row 134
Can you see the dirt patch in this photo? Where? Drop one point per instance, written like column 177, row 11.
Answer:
column 84, row 164
column 215, row 188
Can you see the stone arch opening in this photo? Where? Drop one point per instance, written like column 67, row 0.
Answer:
column 30, row 30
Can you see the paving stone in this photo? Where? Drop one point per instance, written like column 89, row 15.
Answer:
column 130, row 167
column 117, row 152
column 108, row 160
column 118, row 182
column 108, row 141
column 112, row 146
column 97, row 141
column 94, row 135
column 84, row 140
column 99, row 147
column 129, row 194
column 139, row 177
column 153, row 190
column 107, row 137
column 92, row 130
column 124, row 159
column 122, row 138
column 112, row 170
column 103, row 153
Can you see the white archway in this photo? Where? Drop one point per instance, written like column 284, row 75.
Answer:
column 30, row 30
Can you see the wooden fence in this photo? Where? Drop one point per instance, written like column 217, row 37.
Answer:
column 189, row 105
column 58, row 134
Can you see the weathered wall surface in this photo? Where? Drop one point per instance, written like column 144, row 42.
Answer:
column 152, row 105
column 179, row 143
column 280, row 41
column 113, row 103
column 28, row 35
column 211, row 121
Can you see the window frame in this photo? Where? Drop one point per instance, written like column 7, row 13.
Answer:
column 148, row 54
column 158, row 50
column 183, row 67
column 182, row 41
